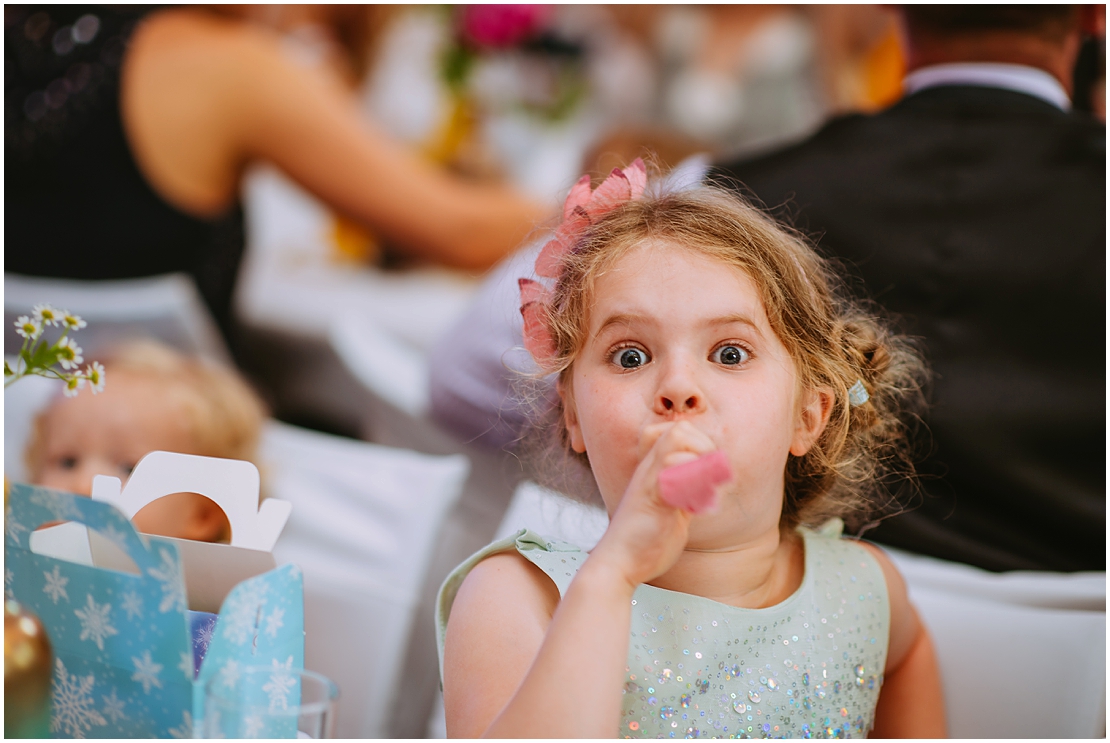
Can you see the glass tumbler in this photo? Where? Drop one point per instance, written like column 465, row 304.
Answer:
column 269, row 702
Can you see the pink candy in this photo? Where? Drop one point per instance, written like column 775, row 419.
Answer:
column 692, row 486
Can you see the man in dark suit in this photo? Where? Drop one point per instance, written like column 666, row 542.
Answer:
column 974, row 211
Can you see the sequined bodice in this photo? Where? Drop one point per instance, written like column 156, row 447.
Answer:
column 810, row 666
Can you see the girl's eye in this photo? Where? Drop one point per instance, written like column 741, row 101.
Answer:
column 631, row 358
column 730, row 355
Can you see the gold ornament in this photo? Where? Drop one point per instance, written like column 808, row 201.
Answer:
column 27, row 658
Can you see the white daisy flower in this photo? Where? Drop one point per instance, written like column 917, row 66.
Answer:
column 73, row 385
column 94, row 372
column 69, row 354
column 71, row 321
column 47, row 315
column 28, row 328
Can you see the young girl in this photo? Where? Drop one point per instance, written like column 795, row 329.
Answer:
column 154, row 399
column 689, row 327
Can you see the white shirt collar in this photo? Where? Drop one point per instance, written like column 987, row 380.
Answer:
column 1020, row 78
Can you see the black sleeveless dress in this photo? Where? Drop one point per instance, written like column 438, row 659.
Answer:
column 76, row 204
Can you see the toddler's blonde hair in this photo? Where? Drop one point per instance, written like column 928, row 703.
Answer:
column 864, row 451
column 223, row 413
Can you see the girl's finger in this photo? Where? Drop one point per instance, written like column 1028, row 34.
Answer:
column 666, row 439
column 651, row 434
column 676, row 458
column 666, row 445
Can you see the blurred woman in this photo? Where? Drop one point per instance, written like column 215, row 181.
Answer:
column 127, row 133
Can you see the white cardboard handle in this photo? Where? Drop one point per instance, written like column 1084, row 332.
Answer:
column 231, row 483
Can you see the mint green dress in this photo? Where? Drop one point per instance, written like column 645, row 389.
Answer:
column 809, row 667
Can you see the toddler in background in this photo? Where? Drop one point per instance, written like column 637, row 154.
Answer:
column 155, row 399
column 732, row 406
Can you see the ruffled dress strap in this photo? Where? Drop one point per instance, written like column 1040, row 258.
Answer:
column 559, row 560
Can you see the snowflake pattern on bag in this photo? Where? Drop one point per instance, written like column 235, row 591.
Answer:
column 239, row 621
column 13, row 528
column 55, row 586
column 132, row 605
column 123, row 651
column 96, row 623
column 114, row 707
column 169, row 575
column 59, row 506
column 280, row 685
column 185, row 729
column 146, row 672
column 72, row 710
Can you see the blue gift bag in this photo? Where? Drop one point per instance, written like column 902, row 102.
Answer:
column 124, row 656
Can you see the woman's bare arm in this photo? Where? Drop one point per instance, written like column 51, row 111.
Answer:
column 911, row 703
column 202, row 96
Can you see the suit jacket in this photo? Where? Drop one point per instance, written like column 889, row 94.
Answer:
column 977, row 217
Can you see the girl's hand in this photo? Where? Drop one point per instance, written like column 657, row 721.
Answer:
column 646, row 535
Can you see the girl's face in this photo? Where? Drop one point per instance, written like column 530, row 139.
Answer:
column 677, row 335
column 107, row 434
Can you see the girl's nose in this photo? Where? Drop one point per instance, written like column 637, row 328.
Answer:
column 679, row 394
column 689, row 405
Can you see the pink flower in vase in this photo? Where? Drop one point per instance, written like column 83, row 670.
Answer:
column 500, row 26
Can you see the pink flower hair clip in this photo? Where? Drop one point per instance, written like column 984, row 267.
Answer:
column 582, row 208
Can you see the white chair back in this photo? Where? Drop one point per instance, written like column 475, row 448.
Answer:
column 1005, row 639
column 167, row 308
column 363, row 528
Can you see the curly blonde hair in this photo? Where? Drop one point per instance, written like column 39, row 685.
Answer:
column 864, row 452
